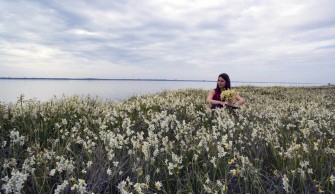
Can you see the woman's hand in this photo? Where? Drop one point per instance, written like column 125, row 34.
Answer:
column 230, row 104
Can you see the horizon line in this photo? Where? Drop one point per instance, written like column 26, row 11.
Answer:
column 150, row 79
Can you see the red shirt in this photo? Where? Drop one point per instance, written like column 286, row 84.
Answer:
column 218, row 98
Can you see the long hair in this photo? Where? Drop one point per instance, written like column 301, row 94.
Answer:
column 226, row 78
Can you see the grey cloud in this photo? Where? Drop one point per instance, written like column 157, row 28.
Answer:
column 125, row 37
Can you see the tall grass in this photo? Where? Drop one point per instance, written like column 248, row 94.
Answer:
column 280, row 141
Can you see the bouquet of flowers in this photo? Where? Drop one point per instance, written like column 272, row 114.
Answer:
column 228, row 95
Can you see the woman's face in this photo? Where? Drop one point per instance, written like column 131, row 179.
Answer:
column 221, row 82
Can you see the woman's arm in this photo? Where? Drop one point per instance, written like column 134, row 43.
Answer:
column 240, row 100
column 210, row 98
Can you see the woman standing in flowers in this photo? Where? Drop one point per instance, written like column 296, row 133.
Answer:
column 223, row 95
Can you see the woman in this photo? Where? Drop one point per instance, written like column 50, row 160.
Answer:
column 214, row 99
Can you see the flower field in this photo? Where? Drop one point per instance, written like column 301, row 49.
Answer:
column 282, row 140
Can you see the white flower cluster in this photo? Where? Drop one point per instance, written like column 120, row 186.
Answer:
column 14, row 183
column 15, row 137
column 170, row 141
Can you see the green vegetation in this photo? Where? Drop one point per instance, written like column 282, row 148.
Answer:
column 281, row 140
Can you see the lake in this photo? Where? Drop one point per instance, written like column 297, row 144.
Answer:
column 43, row 90
column 114, row 90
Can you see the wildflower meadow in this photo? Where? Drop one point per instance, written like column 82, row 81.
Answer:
column 282, row 140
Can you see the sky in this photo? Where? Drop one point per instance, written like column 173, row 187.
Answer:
column 250, row 40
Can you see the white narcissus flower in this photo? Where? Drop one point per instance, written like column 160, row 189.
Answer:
column 109, row 171
column 64, row 121
column 158, row 185
column 89, row 164
column 332, row 179
column 285, row 183
column 52, row 172
column 60, row 188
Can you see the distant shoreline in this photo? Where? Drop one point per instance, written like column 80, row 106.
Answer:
column 178, row 80
column 102, row 79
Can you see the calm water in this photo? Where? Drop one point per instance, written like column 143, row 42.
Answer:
column 43, row 90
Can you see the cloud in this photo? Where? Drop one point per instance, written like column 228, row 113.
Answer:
column 169, row 39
